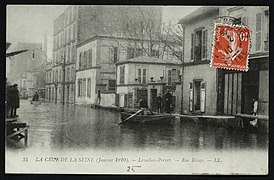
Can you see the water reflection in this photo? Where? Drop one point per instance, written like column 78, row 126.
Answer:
column 63, row 127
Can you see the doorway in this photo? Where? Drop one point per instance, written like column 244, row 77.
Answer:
column 153, row 99
column 250, row 90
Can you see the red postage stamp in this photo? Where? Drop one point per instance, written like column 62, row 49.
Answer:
column 231, row 47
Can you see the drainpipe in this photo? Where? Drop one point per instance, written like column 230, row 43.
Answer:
column 183, row 76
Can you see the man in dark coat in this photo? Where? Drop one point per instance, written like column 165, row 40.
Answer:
column 35, row 96
column 15, row 101
column 159, row 103
column 143, row 106
column 8, row 99
column 168, row 101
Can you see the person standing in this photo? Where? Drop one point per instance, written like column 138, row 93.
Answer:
column 143, row 106
column 8, row 100
column 35, row 96
column 159, row 103
column 15, row 101
column 254, row 122
column 168, row 101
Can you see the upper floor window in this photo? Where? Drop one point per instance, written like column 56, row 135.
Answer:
column 266, row 39
column 122, row 75
column 155, row 53
column 90, row 58
column 139, row 52
column 130, row 53
column 142, row 76
column 111, row 85
column 172, row 76
column 258, row 31
column 80, row 60
column 114, row 54
column 199, row 45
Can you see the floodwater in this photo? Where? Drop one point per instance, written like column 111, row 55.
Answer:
column 81, row 127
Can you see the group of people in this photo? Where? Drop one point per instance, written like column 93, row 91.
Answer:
column 167, row 100
column 13, row 101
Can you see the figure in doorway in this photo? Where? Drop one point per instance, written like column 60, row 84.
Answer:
column 168, row 101
column 254, row 122
column 159, row 103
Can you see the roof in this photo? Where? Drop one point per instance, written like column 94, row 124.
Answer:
column 149, row 60
column 199, row 13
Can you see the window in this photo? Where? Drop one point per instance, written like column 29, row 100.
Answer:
column 56, row 75
column 114, row 54
column 90, row 58
column 80, row 60
column 111, row 85
column 85, row 60
column 139, row 52
column 144, row 76
column 68, row 53
column 130, row 53
column 178, row 74
column 155, row 53
column 266, row 36
column 192, row 47
column 258, row 31
column 199, row 45
column 169, row 77
column 68, row 74
column 204, row 44
column 122, row 75
column 140, row 76
column 74, row 34
column 89, row 87
column 172, row 76
column 60, row 75
column 72, row 73
column 84, row 87
column 79, row 87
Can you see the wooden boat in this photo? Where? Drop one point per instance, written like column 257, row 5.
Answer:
column 35, row 102
column 147, row 119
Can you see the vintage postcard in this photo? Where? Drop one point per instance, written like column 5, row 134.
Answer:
column 112, row 89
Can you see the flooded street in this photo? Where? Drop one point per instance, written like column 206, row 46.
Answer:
column 58, row 127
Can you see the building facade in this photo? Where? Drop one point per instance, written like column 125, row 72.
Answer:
column 199, row 79
column 24, row 76
column 237, row 89
column 145, row 77
column 212, row 91
column 77, row 25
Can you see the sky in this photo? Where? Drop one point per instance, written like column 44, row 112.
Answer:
column 28, row 23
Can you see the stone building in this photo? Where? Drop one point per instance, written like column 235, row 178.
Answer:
column 24, row 75
column 145, row 77
column 79, row 23
column 199, row 79
column 212, row 91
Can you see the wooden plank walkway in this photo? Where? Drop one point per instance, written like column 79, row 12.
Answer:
column 15, row 131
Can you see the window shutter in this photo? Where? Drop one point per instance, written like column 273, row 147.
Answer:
column 190, row 97
column 203, row 95
column 192, row 48
column 204, row 44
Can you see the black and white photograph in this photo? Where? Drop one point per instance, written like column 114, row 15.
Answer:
column 137, row 89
